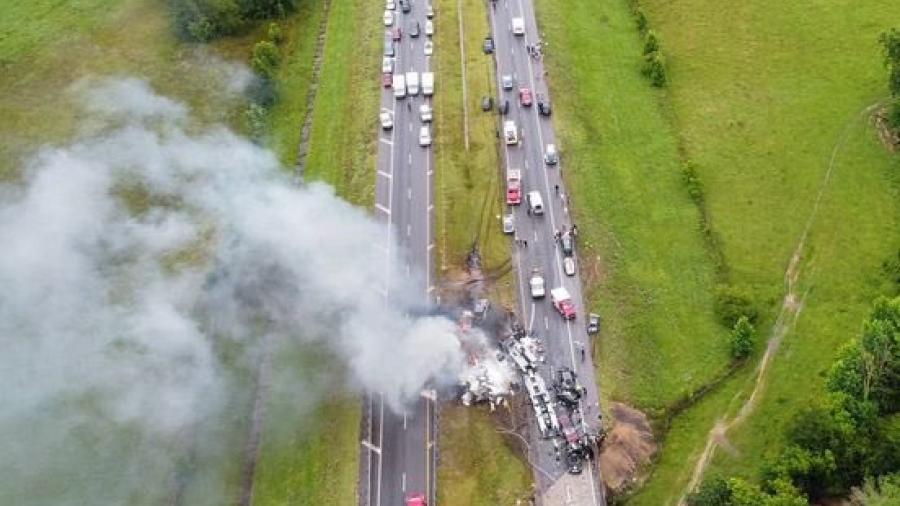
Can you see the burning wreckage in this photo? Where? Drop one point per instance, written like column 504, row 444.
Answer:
column 491, row 378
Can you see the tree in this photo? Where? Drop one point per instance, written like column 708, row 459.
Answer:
column 742, row 338
column 731, row 303
column 265, row 59
column 890, row 41
column 882, row 491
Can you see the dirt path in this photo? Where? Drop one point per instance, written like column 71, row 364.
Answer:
column 791, row 306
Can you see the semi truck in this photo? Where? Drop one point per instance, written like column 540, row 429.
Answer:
column 562, row 301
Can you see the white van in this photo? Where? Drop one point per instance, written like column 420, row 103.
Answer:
column 510, row 132
column 428, row 83
column 412, row 83
column 518, row 26
column 535, row 203
column 399, row 86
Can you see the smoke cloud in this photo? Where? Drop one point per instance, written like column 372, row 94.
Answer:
column 145, row 259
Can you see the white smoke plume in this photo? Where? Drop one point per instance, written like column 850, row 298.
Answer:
column 132, row 256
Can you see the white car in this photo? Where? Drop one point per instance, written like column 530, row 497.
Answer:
column 518, row 26
column 425, row 136
column 551, row 156
column 387, row 120
column 429, row 28
column 507, row 81
column 388, row 18
column 536, row 282
column 569, row 266
column 509, row 223
column 390, row 5
column 429, row 11
column 429, row 48
column 387, row 64
column 426, row 113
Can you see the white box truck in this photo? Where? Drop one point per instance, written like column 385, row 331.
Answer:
column 428, row 83
column 412, row 83
column 399, row 86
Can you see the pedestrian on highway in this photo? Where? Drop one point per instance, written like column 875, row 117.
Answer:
column 528, row 211
column 556, row 187
column 525, row 242
column 575, row 230
column 582, row 353
column 408, row 106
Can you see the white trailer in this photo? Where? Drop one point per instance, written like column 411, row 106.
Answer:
column 412, row 83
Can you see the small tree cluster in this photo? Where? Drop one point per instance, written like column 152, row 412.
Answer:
column 265, row 59
column 204, row 20
column 742, row 338
column 718, row 491
column 890, row 41
column 654, row 64
column 731, row 303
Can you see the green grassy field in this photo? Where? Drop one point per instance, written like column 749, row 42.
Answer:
column 477, row 465
column 760, row 94
column 762, row 147
column 646, row 267
column 48, row 46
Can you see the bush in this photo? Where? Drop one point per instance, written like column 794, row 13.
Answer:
column 204, row 20
column 893, row 115
column 742, row 338
column 265, row 59
column 256, row 117
column 275, row 33
column 651, row 42
column 655, row 69
column 730, row 304
column 640, row 20
column 692, row 182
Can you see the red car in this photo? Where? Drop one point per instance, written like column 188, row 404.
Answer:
column 416, row 500
column 396, row 33
column 525, row 96
column 387, row 79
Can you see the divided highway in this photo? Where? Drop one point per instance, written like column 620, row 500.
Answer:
column 563, row 339
column 398, row 457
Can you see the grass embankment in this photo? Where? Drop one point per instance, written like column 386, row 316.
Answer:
column 762, row 144
column 478, row 466
column 646, row 266
column 755, row 104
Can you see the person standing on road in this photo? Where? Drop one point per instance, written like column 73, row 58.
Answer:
column 556, row 187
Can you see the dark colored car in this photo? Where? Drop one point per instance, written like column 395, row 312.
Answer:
column 396, row 33
column 567, row 243
column 503, row 106
column 405, row 6
column 544, row 106
column 488, row 46
column 387, row 79
column 487, row 103
column 388, row 45
column 593, row 324
column 567, row 390
column 415, row 30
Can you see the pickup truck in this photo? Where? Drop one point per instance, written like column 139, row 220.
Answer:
column 562, row 301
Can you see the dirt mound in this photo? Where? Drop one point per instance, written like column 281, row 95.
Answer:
column 627, row 448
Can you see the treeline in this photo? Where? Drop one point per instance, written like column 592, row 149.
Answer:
column 846, row 445
column 204, row 20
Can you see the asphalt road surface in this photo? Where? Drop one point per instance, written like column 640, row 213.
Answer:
column 563, row 340
column 398, row 455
